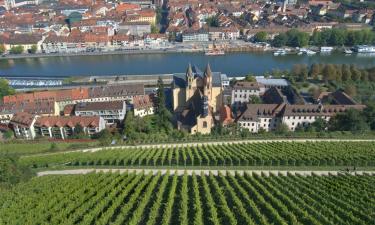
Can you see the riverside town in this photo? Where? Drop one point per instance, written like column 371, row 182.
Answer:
column 186, row 112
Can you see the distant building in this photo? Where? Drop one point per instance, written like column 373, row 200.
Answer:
column 272, row 82
column 111, row 112
column 193, row 35
column 135, row 28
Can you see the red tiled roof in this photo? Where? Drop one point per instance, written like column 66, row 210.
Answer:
column 67, row 121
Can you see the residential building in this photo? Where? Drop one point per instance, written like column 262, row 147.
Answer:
column 63, row 127
column 195, row 35
column 272, row 82
column 242, row 91
column 111, row 112
column 137, row 28
column 22, row 124
column 143, row 105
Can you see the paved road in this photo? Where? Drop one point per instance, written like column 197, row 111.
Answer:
column 198, row 172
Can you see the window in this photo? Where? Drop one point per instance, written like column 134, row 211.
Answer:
column 204, row 124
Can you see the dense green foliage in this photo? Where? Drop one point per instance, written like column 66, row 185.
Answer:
column 11, row 172
column 196, row 199
column 212, row 21
column 5, row 89
column 27, row 147
column 16, row 49
column 326, row 37
column 250, row 154
column 2, row 49
column 260, row 36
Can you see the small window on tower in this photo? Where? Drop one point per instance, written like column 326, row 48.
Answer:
column 204, row 124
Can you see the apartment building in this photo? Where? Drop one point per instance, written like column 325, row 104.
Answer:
column 143, row 105
column 111, row 112
column 63, row 127
column 242, row 91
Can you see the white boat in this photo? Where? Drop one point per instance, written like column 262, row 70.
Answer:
column 279, row 52
column 326, row 49
column 310, row 52
column 215, row 52
column 348, row 51
column 365, row 49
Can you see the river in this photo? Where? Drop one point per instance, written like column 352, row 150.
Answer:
column 233, row 64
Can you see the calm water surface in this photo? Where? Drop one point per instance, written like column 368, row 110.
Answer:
column 235, row 64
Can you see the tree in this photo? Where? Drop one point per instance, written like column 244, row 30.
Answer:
column 2, row 49
column 16, row 49
column 346, row 73
column 129, row 124
column 351, row 90
column 255, row 100
column 163, row 115
column 8, row 135
column 315, row 71
column 33, row 49
column 281, row 128
column 11, row 172
column 280, row 40
column 79, row 132
column 104, row 137
column 250, row 78
column 213, row 21
column 260, row 36
column 351, row 120
column 356, row 73
column 329, row 72
column 369, row 115
column 319, row 125
column 154, row 29
column 5, row 89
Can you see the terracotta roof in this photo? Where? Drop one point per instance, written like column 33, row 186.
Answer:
column 254, row 111
column 67, row 121
column 22, row 119
column 142, row 102
column 319, row 110
column 241, row 85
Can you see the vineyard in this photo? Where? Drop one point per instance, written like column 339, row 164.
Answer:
column 310, row 154
column 129, row 198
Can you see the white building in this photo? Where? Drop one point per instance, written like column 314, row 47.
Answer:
column 243, row 91
column 111, row 112
column 23, row 125
column 268, row 116
column 143, row 105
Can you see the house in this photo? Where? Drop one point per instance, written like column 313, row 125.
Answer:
column 195, row 35
column 22, row 124
column 143, row 105
column 260, row 116
column 111, row 112
column 272, row 82
column 242, row 91
column 27, row 41
column 63, row 127
column 197, row 96
column 137, row 28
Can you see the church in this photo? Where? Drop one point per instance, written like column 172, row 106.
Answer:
column 197, row 99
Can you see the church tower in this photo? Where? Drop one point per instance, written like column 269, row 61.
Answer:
column 189, row 82
column 207, row 90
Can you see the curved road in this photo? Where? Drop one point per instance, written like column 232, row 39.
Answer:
column 206, row 172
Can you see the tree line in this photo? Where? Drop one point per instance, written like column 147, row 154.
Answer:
column 326, row 37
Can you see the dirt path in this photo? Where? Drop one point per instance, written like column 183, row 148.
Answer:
column 198, row 172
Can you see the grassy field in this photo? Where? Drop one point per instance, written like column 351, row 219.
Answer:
column 35, row 147
column 129, row 198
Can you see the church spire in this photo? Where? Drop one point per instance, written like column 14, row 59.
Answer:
column 189, row 71
column 208, row 71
